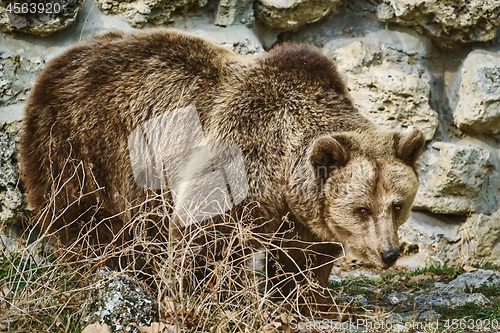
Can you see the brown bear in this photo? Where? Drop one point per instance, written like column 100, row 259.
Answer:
column 117, row 117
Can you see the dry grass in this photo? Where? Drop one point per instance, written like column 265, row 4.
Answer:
column 207, row 277
column 39, row 292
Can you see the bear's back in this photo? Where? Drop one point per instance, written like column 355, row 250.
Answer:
column 89, row 99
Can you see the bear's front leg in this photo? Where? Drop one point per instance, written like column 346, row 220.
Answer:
column 298, row 275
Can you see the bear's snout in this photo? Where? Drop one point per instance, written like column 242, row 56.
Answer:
column 390, row 256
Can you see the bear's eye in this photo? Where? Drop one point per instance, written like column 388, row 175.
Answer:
column 397, row 208
column 363, row 211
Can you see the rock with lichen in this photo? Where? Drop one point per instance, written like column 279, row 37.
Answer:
column 140, row 12
column 11, row 197
column 292, row 14
column 38, row 17
column 120, row 302
column 446, row 21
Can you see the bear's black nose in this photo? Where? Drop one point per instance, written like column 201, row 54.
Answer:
column 389, row 257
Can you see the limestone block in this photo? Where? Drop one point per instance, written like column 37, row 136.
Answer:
column 425, row 239
column 447, row 21
column 11, row 198
column 237, row 37
column 481, row 238
column 17, row 74
column 456, row 177
column 288, row 15
column 140, row 12
column 386, row 81
column 230, row 11
column 478, row 106
column 38, row 17
column 474, row 280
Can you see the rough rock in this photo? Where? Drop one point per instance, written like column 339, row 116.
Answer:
column 245, row 46
column 353, row 300
column 478, row 105
column 11, row 197
column 46, row 18
column 425, row 238
column 446, row 21
column 458, row 300
column 8, row 244
column 232, row 11
column 449, row 240
column 289, row 15
column 397, row 298
column 481, row 240
column 455, row 176
column 355, row 18
column 140, row 12
column 431, row 300
column 17, row 74
column 238, row 38
column 423, row 316
column 386, row 80
column 474, row 280
column 428, row 301
column 339, row 275
column 429, row 315
column 119, row 301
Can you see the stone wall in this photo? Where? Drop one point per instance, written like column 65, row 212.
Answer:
column 429, row 64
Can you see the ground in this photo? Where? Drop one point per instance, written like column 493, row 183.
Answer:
column 47, row 295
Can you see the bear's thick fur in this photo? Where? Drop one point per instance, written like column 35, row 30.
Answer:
column 308, row 153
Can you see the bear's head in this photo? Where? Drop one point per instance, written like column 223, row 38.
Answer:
column 366, row 185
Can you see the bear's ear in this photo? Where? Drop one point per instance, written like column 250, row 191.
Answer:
column 409, row 146
column 329, row 152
